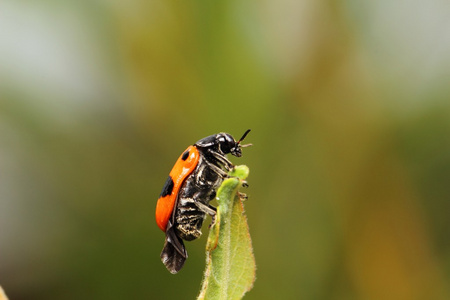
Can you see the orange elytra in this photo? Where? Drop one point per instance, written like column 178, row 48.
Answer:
column 185, row 165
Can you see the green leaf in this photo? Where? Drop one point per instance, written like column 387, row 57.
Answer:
column 230, row 264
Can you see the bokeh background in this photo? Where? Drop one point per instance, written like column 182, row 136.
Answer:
column 349, row 106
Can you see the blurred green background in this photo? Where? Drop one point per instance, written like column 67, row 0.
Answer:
column 349, row 106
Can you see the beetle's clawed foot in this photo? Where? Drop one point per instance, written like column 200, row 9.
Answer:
column 213, row 221
column 242, row 196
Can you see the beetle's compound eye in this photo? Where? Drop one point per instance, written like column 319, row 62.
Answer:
column 226, row 143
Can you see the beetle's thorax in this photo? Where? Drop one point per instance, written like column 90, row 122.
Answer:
column 221, row 143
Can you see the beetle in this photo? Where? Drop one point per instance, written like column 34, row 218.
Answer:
column 184, row 200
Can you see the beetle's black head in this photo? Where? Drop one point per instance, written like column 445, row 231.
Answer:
column 223, row 143
column 236, row 149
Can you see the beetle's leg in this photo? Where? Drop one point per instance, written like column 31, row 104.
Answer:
column 216, row 169
column 222, row 159
column 242, row 196
column 206, row 208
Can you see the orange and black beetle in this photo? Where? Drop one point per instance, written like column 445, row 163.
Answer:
column 191, row 185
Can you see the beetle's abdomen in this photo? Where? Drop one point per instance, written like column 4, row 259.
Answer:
column 189, row 219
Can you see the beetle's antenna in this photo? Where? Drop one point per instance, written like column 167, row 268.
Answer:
column 242, row 138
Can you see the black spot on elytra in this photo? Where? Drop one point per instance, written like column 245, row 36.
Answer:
column 185, row 155
column 168, row 187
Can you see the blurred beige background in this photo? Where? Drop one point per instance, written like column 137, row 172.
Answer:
column 349, row 108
